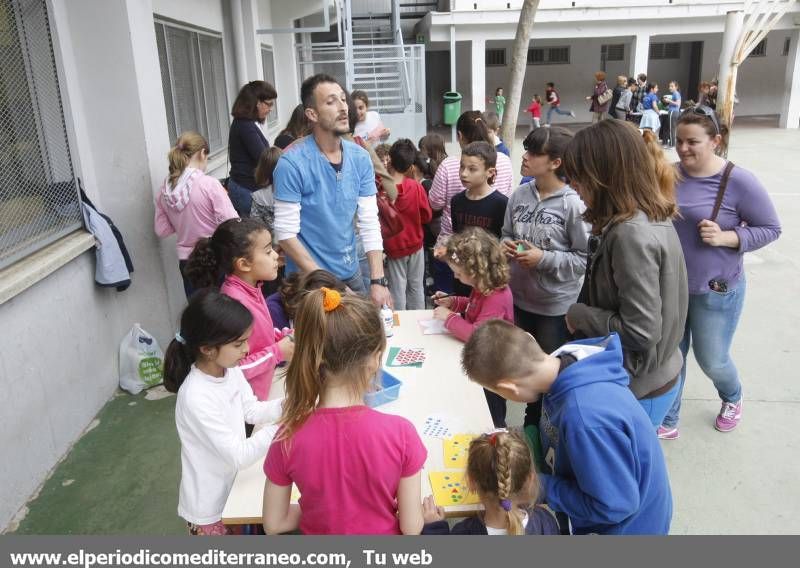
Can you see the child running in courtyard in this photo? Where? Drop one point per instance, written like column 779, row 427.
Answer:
column 535, row 110
column 477, row 260
column 551, row 95
column 357, row 470
column 214, row 402
column 240, row 250
column 500, row 471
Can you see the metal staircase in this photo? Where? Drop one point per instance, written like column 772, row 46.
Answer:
column 378, row 64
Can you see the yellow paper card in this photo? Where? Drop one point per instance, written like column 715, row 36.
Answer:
column 449, row 488
column 455, row 451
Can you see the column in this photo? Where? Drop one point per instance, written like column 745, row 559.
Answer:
column 452, row 74
column 640, row 53
column 478, row 77
column 734, row 24
column 790, row 111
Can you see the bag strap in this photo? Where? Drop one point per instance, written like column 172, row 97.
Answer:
column 723, row 185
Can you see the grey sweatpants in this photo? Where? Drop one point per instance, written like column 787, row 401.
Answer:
column 406, row 277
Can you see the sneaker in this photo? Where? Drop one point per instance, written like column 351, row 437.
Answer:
column 729, row 416
column 667, row 433
column 572, row 113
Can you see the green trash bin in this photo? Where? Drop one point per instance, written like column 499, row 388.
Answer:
column 452, row 107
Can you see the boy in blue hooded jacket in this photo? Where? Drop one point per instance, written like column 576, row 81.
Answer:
column 608, row 471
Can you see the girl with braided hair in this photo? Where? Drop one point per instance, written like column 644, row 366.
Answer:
column 477, row 260
column 500, row 470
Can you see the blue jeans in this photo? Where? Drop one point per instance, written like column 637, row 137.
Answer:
column 241, row 198
column 710, row 325
column 363, row 262
column 557, row 110
column 356, row 284
column 658, row 406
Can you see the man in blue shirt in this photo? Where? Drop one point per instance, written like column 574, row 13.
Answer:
column 324, row 188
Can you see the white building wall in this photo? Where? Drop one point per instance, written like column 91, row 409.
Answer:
column 60, row 337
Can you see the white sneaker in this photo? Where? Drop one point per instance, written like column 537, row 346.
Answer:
column 572, row 113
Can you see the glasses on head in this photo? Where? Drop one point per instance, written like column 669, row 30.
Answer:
column 704, row 110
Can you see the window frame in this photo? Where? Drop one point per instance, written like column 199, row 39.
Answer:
column 760, row 50
column 546, row 55
column 787, row 46
column 664, row 55
column 606, row 49
column 43, row 242
column 272, row 117
column 201, row 102
column 495, row 51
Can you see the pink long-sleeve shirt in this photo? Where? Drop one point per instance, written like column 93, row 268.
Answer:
column 447, row 183
column 208, row 205
column 478, row 309
column 259, row 365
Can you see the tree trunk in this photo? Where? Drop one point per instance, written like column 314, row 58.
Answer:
column 519, row 62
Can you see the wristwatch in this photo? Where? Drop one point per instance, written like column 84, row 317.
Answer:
column 379, row 282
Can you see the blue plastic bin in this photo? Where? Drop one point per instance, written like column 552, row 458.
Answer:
column 389, row 390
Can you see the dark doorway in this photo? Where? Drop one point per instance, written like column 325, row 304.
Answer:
column 695, row 69
column 437, row 80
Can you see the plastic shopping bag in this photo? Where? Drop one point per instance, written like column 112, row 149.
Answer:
column 141, row 361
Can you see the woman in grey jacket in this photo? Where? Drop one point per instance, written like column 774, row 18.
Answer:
column 545, row 240
column 636, row 281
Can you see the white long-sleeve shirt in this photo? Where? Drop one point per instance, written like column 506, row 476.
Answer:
column 210, row 414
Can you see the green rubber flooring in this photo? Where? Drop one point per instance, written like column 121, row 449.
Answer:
column 120, row 478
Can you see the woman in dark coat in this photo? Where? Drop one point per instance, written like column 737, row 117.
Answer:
column 247, row 141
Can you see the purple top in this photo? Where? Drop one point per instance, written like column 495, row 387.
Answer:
column 746, row 208
column 276, row 311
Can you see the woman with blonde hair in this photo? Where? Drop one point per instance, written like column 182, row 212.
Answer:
column 190, row 203
column 636, row 284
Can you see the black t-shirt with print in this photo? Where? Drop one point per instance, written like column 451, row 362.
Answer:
column 487, row 213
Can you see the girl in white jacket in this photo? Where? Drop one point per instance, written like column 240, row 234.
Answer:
column 214, row 402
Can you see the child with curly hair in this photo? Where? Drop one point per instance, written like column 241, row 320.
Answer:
column 500, row 471
column 477, row 260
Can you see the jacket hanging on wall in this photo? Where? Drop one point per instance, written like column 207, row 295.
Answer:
column 114, row 265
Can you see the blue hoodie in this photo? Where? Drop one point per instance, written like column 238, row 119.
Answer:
column 610, row 476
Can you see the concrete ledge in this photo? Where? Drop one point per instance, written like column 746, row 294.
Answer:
column 25, row 273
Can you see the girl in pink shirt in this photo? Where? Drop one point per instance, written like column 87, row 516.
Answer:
column 190, row 203
column 240, row 251
column 358, row 470
column 477, row 260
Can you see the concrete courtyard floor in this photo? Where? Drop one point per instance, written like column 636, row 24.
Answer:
column 122, row 476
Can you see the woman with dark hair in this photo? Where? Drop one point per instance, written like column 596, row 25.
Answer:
column 470, row 127
column 724, row 212
column 651, row 119
column 636, row 277
column 246, row 141
column 297, row 127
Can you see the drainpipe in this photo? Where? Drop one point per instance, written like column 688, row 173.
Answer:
column 238, row 41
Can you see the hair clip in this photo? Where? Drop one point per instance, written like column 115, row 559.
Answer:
column 454, row 258
column 505, row 504
column 330, row 299
column 179, row 338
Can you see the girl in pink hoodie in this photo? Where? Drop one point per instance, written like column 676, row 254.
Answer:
column 190, row 203
column 240, row 250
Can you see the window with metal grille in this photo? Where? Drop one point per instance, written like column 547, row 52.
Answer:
column 671, row 50
column 193, row 79
column 268, row 65
column 38, row 193
column 495, row 57
column 760, row 50
column 613, row 52
column 548, row 55
column 787, row 43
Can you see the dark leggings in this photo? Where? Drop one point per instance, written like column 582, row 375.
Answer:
column 550, row 333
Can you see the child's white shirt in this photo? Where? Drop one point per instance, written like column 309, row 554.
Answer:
column 210, row 414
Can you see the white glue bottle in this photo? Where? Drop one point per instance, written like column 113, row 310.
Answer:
column 388, row 320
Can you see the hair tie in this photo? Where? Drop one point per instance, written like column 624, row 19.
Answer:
column 330, row 299
column 179, row 338
column 505, row 504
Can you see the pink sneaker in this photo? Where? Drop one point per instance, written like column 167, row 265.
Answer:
column 729, row 416
column 667, row 433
